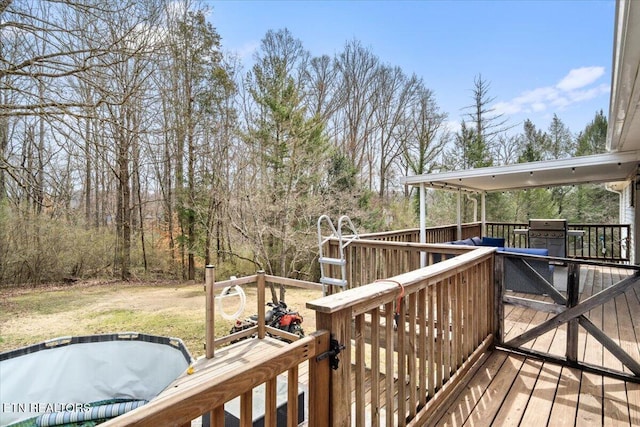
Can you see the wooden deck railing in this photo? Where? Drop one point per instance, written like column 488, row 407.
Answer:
column 605, row 242
column 440, row 234
column 414, row 335
column 408, row 337
column 207, row 393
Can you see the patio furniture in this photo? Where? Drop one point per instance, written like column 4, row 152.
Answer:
column 519, row 273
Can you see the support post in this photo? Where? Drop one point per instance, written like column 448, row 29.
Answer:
column 210, row 280
column 261, row 304
column 459, row 228
column 635, row 227
column 483, row 214
column 573, row 289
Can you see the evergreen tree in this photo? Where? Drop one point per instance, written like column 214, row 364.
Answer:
column 594, row 137
column 533, row 202
column 534, row 140
column 195, row 58
column 592, row 203
column 487, row 124
column 560, row 146
column 560, row 141
column 288, row 150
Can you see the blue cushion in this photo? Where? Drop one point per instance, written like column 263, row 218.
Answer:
column 493, row 241
column 528, row 251
column 477, row 241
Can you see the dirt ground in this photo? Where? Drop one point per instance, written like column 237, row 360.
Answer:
column 29, row 316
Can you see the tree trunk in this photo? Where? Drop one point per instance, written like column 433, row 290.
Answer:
column 124, row 210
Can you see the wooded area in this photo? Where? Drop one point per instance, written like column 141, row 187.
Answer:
column 132, row 145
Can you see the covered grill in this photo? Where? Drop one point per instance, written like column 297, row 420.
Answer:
column 549, row 234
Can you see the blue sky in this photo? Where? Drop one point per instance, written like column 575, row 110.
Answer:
column 540, row 57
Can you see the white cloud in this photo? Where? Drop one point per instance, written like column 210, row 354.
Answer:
column 585, row 95
column 561, row 102
column 538, row 106
column 574, row 88
column 452, row 126
column 246, row 50
column 540, row 94
column 503, row 107
column 580, row 77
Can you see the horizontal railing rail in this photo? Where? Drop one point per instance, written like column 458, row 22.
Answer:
column 507, row 232
column 370, row 260
column 605, row 242
column 411, row 336
column 439, row 234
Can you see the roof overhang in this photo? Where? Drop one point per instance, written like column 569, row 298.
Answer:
column 601, row 168
column 624, row 105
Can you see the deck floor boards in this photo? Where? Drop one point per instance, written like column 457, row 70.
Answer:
column 514, row 390
column 565, row 402
column 510, row 390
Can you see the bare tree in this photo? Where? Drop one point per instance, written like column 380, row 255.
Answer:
column 321, row 80
column 486, row 124
column 396, row 95
column 66, row 52
column 358, row 69
column 193, row 49
column 506, row 149
column 427, row 136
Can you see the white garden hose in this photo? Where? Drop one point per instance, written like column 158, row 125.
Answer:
column 227, row 292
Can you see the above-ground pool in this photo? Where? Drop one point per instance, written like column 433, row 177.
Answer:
column 86, row 379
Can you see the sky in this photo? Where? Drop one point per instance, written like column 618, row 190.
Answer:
column 539, row 57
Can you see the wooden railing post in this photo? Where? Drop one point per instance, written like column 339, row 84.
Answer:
column 573, row 294
column 261, row 304
column 498, row 275
column 210, row 280
column 320, row 385
column 339, row 323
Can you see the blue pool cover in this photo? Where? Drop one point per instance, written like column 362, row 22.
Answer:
column 84, row 380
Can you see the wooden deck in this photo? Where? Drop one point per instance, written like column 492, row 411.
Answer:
column 504, row 388
column 515, row 390
column 512, row 390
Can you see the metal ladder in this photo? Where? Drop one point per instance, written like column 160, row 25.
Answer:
column 342, row 244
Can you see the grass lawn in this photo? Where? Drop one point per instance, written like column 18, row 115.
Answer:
column 32, row 315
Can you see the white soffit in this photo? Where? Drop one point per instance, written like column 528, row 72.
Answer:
column 601, row 168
